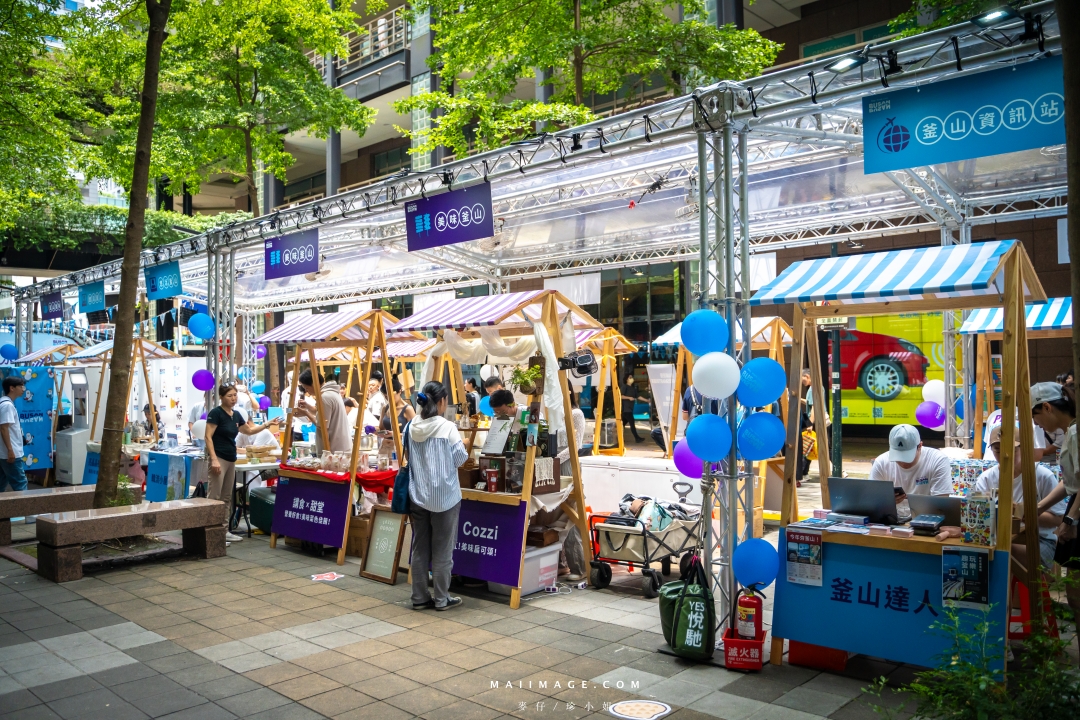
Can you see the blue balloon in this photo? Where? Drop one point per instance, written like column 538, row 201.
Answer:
column 755, row 563
column 485, row 406
column 761, row 382
column 959, row 408
column 704, row 331
column 201, row 326
column 709, row 437
column 761, row 435
column 243, row 373
column 258, row 386
column 9, row 351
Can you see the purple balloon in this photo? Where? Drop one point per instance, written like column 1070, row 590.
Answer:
column 260, row 352
column 203, row 416
column 203, row 380
column 264, row 403
column 930, row 414
column 686, row 461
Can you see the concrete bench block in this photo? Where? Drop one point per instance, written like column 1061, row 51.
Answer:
column 60, row 564
column 86, row 526
column 17, row 503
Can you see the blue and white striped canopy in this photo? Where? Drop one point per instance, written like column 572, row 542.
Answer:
column 916, row 273
column 1054, row 314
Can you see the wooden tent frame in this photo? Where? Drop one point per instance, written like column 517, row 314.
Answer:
column 373, row 324
column 351, row 358
column 574, row 505
column 138, row 355
column 776, row 328
column 606, row 346
column 42, row 358
column 1018, row 272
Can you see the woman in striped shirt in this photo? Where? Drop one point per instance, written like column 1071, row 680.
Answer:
column 435, row 451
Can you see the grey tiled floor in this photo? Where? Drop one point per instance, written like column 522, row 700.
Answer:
column 252, row 636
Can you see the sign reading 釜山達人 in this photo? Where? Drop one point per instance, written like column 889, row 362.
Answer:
column 312, row 510
column 163, row 281
column 451, row 217
column 52, row 306
column 488, row 543
column 1014, row 108
column 294, row 254
column 92, row 297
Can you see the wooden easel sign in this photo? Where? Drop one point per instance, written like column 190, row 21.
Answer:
column 383, row 552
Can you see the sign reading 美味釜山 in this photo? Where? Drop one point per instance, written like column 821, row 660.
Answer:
column 288, row 255
column 92, row 297
column 448, row 218
column 52, row 306
column 163, row 281
column 1015, row 108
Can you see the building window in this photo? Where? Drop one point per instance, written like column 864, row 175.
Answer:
column 421, row 121
column 390, row 161
column 472, row 291
column 848, row 39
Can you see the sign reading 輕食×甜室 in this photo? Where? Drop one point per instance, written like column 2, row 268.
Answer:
column 1014, row 108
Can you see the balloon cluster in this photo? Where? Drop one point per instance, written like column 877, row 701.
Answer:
column 717, row 376
column 931, row 411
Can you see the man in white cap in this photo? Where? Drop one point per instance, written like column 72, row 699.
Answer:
column 912, row 468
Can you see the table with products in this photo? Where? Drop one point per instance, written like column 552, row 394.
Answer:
column 879, row 594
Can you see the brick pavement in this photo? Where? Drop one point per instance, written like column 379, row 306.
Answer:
column 252, row 636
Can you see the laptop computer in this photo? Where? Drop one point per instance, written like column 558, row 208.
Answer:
column 936, row 505
column 872, row 498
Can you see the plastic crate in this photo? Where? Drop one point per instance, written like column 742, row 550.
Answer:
column 816, row 656
column 741, row 654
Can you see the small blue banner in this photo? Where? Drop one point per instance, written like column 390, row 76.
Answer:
column 167, row 477
column 92, row 297
column 36, row 408
column 163, row 281
column 288, row 255
column 90, row 469
column 1001, row 111
column 452, row 217
column 52, row 307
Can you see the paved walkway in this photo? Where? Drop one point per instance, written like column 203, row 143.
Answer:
column 252, row 635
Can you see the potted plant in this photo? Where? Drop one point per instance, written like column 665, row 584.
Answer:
column 528, row 380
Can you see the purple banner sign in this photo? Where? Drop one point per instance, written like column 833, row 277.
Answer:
column 52, row 307
column 312, row 510
column 453, row 217
column 489, row 541
column 295, row 254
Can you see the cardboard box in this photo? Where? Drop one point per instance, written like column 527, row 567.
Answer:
column 759, row 521
column 541, row 537
column 359, row 527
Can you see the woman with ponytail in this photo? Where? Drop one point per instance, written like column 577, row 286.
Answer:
column 434, row 453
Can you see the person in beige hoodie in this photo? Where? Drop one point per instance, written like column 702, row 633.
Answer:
column 334, row 414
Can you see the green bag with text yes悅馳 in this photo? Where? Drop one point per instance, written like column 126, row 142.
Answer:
column 688, row 614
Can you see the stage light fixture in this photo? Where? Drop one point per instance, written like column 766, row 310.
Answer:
column 994, row 17
column 847, row 62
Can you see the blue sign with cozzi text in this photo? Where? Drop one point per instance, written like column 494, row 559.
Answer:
column 452, row 217
column 1018, row 107
column 294, row 254
column 92, row 297
column 163, row 281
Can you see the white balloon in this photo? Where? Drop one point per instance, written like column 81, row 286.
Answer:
column 198, row 430
column 934, row 391
column 716, row 375
column 487, row 371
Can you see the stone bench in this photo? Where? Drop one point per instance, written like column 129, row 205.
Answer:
column 62, row 535
column 20, row 503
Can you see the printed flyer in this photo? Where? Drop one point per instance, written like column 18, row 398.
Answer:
column 804, row 557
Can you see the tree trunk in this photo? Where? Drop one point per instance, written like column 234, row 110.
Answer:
column 253, row 192
column 579, row 60
column 1069, row 23
column 120, row 368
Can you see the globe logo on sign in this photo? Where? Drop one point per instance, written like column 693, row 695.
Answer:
column 893, row 138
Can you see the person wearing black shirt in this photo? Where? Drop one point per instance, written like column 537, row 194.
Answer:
column 630, row 396
column 223, row 424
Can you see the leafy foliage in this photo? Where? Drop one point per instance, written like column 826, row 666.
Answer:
column 943, row 12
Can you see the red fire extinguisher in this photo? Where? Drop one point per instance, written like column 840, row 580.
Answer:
column 749, row 608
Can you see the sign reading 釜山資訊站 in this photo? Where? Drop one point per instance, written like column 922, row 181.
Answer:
column 1014, row 108
column 288, row 255
column 163, row 281
column 451, row 217
column 488, row 543
column 52, row 306
column 312, row 510
column 92, row 297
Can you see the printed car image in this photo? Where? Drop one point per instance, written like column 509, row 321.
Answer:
column 879, row 365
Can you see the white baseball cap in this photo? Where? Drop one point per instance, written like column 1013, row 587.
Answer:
column 904, row 443
column 1045, row 392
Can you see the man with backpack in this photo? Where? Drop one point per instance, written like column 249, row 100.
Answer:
column 12, row 471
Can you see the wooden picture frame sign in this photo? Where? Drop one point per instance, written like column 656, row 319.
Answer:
column 382, row 553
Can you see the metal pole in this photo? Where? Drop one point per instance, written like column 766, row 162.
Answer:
column 703, row 222
column 837, row 450
column 746, row 491
column 723, row 157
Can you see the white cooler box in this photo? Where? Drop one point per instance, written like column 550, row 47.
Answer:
column 541, row 570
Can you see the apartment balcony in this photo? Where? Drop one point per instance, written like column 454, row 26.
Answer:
column 378, row 59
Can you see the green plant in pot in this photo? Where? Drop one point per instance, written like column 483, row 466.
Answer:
column 527, row 380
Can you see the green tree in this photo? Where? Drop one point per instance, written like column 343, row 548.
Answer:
column 584, row 46
column 935, row 14
column 39, row 119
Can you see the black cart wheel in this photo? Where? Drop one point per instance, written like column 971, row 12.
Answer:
column 684, row 564
column 650, row 583
column 665, row 566
column 600, row 576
